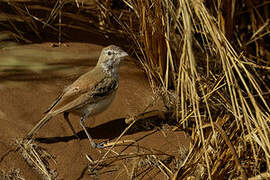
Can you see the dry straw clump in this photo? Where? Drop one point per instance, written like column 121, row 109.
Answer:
column 217, row 90
column 37, row 157
column 12, row 174
column 209, row 58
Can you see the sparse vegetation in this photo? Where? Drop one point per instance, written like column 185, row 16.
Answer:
column 13, row 174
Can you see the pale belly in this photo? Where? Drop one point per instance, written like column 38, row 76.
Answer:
column 95, row 108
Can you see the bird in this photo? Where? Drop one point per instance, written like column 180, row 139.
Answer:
column 90, row 94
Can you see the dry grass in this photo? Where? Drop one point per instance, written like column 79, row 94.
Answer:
column 37, row 157
column 13, row 174
column 211, row 82
column 209, row 58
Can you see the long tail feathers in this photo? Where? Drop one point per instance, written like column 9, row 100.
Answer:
column 38, row 126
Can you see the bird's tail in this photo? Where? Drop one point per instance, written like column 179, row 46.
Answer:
column 38, row 126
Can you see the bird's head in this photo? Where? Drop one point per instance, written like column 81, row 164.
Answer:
column 110, row 57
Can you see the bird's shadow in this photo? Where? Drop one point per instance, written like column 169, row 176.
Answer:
column 110, row 130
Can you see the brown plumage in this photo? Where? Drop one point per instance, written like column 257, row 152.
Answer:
column 90, row 94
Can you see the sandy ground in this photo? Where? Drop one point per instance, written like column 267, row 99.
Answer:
column 25, row 95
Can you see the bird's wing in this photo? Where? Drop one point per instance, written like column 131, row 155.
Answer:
column 70, row 91
column 89, row 88
column 54, row 103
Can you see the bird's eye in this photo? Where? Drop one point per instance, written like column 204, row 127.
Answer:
column 109, row 53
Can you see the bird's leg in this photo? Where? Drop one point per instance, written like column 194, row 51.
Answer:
column 93, row 144
column 70, row 125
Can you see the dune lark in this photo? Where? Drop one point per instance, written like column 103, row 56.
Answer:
column 90, row 94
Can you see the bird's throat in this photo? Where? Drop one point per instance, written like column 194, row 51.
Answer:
column 110, row 69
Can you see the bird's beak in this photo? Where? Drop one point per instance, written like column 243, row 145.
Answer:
column 122, row 54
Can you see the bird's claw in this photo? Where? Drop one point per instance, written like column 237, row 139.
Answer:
column 100, row 145
column 77, row 136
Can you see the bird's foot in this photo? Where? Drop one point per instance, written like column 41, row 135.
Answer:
column 76, row 136
column 99, row 145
